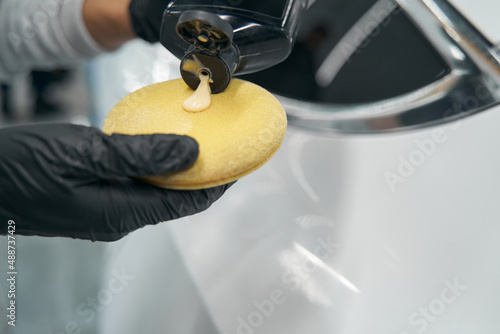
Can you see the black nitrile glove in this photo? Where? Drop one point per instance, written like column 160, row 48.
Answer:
column 147, row 16
column 74, row 181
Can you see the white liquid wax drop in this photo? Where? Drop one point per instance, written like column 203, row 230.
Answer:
column 201, row 98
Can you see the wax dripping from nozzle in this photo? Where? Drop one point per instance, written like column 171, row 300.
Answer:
column 227, row 40
column 212, row 50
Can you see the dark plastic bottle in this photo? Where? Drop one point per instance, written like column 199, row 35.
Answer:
column 230, row 37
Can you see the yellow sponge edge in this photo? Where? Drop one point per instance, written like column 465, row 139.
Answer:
column 241, row 130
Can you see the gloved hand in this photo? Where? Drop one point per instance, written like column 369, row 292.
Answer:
column 146, row 17
column 74, row 181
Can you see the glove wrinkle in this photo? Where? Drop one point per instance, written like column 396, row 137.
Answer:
column 142, row 155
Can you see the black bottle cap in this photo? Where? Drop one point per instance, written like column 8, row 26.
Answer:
column 205, row 30
column 213, row 64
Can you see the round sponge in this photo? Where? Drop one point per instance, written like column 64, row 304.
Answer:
column 240, row 131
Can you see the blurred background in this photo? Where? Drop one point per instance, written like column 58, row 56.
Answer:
column 389, row 232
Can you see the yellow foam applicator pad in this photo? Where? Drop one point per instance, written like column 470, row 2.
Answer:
column 240, row 131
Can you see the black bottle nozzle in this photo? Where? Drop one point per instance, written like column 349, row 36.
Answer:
column 212, row 49
column 229, row 38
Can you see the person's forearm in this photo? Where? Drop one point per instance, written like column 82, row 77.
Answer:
column 45, row 35
column 108, row 21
